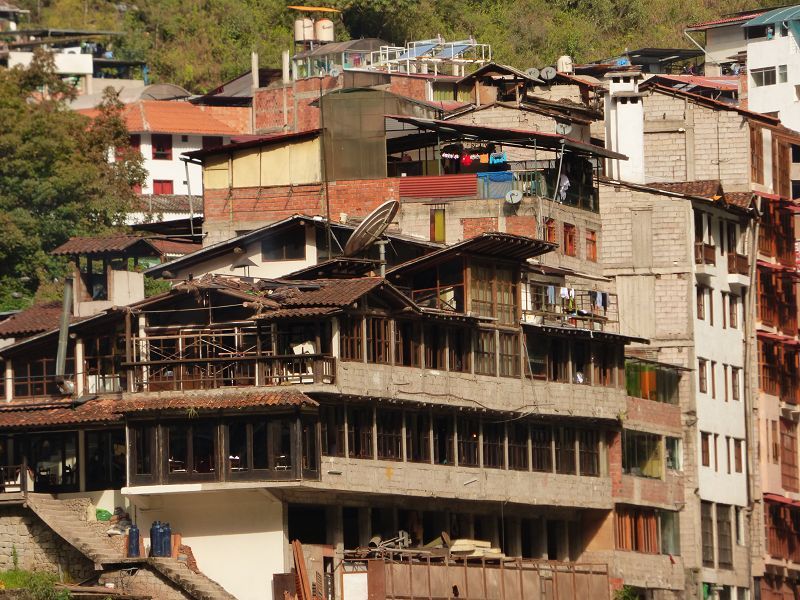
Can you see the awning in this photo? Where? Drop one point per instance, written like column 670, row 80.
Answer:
column 776, row 337
column 585, row 333
column 546, row 141
column 787, row 13
column 780, row 500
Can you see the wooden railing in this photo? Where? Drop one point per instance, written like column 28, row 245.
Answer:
column 212, row 373
column 584, row 308
column 738, row 263
column 15, row 479
column 705, row 254
column 783, row 543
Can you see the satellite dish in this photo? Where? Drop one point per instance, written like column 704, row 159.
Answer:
column 563, row 128
column 514, row 196
column 549, row 73
column 533, row 73
column 334, row 72
column 371, row 228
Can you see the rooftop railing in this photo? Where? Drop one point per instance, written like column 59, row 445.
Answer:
column 556, row 305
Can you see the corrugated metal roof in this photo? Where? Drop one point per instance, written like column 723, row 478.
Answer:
column 439, row 186
column 731, row 20
column 778, row 15
column 500, row 245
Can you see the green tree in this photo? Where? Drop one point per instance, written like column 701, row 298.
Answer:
column 56, row 180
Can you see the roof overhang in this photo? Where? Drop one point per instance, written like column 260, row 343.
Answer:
column 588, row 334
column 520, row 137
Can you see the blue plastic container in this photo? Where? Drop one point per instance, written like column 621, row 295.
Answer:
column 166, row 540
column 133, row 542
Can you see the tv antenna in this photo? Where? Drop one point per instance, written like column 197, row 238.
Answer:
column 371, row 229
column 549, row 73
column 533, row 73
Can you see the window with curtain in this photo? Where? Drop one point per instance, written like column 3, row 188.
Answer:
column 636, row 529
column 642, row 454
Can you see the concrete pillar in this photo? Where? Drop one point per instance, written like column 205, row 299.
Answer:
column 563, row 541
column 375, row 432
column 9, row 381
column 364, row 525
column 403, row 440
column 335, row 531
column 81, row 459
column 80, row 383
column 539, row 538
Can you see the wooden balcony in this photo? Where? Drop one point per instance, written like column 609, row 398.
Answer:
column 738, row 264
column 705, row 254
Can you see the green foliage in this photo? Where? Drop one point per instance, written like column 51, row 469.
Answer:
column 154, row 287
column 14, row 557
column 40, row 585
column 627, row 592
column 55, row 177
column 203, row 43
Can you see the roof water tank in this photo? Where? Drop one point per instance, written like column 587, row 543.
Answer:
column 564, row 64
column 304, row 30
column 324, row 30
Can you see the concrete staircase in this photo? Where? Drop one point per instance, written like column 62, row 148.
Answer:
column 197, row 585
column 69, row 519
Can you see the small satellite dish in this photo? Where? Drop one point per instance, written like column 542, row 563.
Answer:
column 563, row 128
column 334, row 72
column 533, row 73
column 371, row 228
column 549, row 73
column 514, row 196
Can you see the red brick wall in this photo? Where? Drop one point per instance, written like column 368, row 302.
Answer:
column 353, row 198
column 475, row 226
column 413, row 87
column 268, row 103
column 521, row 225
column 654, row 413
column 614, row 448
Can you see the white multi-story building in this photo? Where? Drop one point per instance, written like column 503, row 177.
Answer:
column 164, row 130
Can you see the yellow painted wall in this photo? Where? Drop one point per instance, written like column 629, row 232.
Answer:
column 289, row 164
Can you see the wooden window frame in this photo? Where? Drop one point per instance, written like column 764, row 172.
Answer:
column 705, row 449
column 591, row 245
column 351, row 338
column 161, row 146
column 702, row 375
column 570, row 239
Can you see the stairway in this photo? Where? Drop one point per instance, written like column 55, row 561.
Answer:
column 68, row 518
column 197, row 585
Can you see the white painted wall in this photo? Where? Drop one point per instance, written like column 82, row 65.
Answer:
column 721, row 44
column 237, row 537
column 66, row 64
column 781, row 97
column 174, row 169
column 222, row 265
column 625, row 127
column 715, row 415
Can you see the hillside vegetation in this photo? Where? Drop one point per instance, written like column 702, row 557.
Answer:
column 200, row 43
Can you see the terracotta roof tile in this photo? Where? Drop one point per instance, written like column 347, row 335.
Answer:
column 704, row 188
column 161, row 116
column 35, row 319
column 58, row 412
column 175, row 248
column 168, row 203
column 103, row 244
column 224, row 399
column 724, row 20
column 740, row 199
column 289, row 313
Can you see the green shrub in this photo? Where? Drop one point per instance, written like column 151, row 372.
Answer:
column 42, row 586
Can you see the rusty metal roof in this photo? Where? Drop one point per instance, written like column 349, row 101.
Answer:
column 216, row 400
column 331, row 292
column 110, row 244
column 705, row 188
column 494, row 244
column 341, row 266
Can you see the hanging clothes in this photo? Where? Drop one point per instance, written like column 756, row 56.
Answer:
column 551, row 294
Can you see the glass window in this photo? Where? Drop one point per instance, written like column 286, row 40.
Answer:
column 143, row 443
column 565, row 450
column 641, row 454
column 260, row 454
column 390, row 434
column 674, row 450
column 724, row 537
column 309, row 441
column 509, row 355
column 707, row 532
column 485, row 353
column 705, row 449
column 782, row 74
column 589, row 449
column 360, row 432
column 332, row 423
column 406, row 344
column 178, row 448
column 418, row 436
column 762, row 77
column 443, row 440
column 162, row 146
column 541, row 441
column 518, row 446
column 468, row 437
column 105, row 459
column 378, row 340
column 54, row 460
column 238, row 459
column 204, row 448
column 285, row 245
column 459, row 349
column 351, row 338
column 670, row 532
column 493, row 445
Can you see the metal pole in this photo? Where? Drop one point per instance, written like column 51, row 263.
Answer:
column 66, row 309
column 191, row 203
column 325, row 172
